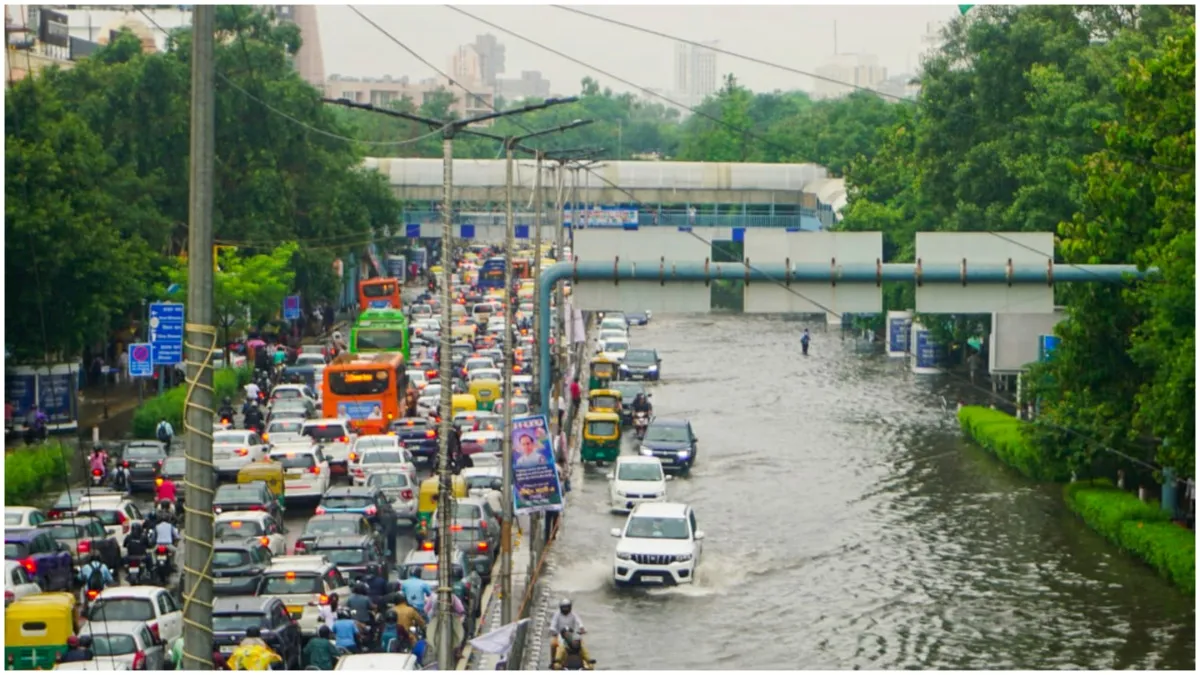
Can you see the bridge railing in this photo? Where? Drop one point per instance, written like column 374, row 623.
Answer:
column 802, row 221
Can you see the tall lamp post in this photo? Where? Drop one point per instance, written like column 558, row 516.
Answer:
column 506, row 442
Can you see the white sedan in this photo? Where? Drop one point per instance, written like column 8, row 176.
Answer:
column 243, row 525
column 613, row 349
column 234, row 449
column 16, row 517
column 306, row 469
column 17, row 583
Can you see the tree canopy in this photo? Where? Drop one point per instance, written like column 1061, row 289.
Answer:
column 97, row 178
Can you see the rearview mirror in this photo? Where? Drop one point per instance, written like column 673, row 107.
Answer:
column 609, row 475
column 669, row 477
column 699, row 535
column 616, row 532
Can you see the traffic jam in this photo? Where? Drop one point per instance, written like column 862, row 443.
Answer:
column 325, row 513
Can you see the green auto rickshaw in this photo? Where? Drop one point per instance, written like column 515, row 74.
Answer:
column 603, row 371
column 601, row 438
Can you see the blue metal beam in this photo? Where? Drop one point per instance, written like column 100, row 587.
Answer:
column 964, row 273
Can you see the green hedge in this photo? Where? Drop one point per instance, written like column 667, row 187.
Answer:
column 1142, row 529
column 33, row 470
column 226, row 382
column 1003, row 435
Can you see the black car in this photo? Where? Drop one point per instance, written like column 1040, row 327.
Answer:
column 232, row 616
column 331, row 524
column 366, row 500
column 144, row 460
column 638, row 318
column 629, row 391
column 472, row 541
column 357, row 556
column 246, row 497
column 672, row 442
column 417, row 435
column 236, row 567
column 641, row 364
column 84, row 535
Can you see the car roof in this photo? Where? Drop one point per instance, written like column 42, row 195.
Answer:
column 660, row 510
column 325, row 421
column 340, row 541
column 637, row 459
column 668, row 422
column 342, row 516
column 349, row 490
column 297, row 563
column 242, row 515
column 241, row 604
column 145, row 592
column 20, row 509
column 494, row 470
column 20, row 536
column 377, row 662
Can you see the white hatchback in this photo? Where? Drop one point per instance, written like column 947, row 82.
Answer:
column 234, row 449
column 306, row 469
column 238, row 526
column 635, row 480
column 380, row 453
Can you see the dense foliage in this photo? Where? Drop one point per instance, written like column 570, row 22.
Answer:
column 1079, row 121
column 31, row 471
column 96, row 189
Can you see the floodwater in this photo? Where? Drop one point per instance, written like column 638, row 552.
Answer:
column 849, row 525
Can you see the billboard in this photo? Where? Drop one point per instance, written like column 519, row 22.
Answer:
column 52, row 29
column 899, row 325
column 535, row 481
column 925, row 352
column 601, row 216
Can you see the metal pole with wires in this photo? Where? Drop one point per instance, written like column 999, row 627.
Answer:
column 201, row 342
column 538, row 204
column 445, row 626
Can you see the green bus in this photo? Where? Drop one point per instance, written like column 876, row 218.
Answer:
column 380, row 330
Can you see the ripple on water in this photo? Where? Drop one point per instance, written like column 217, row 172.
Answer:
column 849, row 526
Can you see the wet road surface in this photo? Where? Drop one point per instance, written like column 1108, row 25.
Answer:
column 849, row 525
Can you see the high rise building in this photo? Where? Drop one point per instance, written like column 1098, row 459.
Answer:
column 491, row 58
column 309, row 61
column 860, row 70
column 466, row 66
column 531, row 84
column 385, row 90
column 695, row 72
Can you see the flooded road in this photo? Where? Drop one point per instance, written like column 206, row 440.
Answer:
column 849, row 525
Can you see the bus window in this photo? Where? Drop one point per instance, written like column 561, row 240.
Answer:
column 378, row 290
column 358, row 383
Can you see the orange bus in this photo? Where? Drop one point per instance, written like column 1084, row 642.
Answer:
column 367, row 389
column 522, row 268
column 380, row 292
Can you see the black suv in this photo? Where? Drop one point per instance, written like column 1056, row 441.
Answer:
column 237, row 567
column 231, row 617
column 144, row 459
column 367, row 500
column 357, row 556
column 641, row 364
column 330, row 524
column 254, row 496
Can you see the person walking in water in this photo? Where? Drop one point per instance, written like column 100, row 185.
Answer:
column 804, row 342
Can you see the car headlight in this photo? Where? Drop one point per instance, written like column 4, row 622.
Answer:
column 683, row 557
column 683, row 454
column 624, row 367
column 653, row 368
column 621, row 494
column 623, row 556
column 645, row 451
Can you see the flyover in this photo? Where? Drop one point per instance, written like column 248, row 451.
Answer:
column 647, row 193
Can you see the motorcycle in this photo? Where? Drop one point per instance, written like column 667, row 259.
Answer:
column 138, row 571
column 162, row 563
column 640, row 421
column 97, row 478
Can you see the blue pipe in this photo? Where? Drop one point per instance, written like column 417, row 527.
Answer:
column 653, row 270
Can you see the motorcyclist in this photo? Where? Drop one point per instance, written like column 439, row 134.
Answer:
column 320, row 653
column 164, row 491
column 95, row 575
column 253, row 653
column 253, row 417
column 361, row 608
column 136, row 545
column 416, row 589
column 565, row 621
column 226, row 411
column 642, row 404
column 377, row 587
column 406, row 615
column 99, row 461
column 74, row 651
column 571, row 654
column 391, row 629
column 346, row 630
column 165, row 534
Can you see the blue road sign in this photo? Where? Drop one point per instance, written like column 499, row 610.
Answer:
column 141, row 361
column 166, row 332
column 1046, row 346
column 291, row 307
column 412, row 230
column 520, row 231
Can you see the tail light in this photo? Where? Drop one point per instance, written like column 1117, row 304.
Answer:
column 53, row 514
column 154, row 630
column 483, row 524
column 344, row 439
column 301, row 546
column 9, row 597
column 431, row 374
column 354, row 457
column 431, row 434
column 371, row 510
column 257, row 507
column 322, row 599
column 161, row 550
column 265, row 541
column 406, row 494
column 482, row 546
column 266, row 437
column 84, row 546
column 92, row 594
column 125, row 464
column 241, row 452
column 96, row 472
column 427, row 546
column 139, row 661
column 30, row 565
column 123, row 521
column 456, row 528
column 314, row 469
column 319, row 511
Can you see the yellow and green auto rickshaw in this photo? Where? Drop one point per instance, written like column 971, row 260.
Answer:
column 427, row 500
column 486, row 393
column 601, row 437
column 604, row 400
column 36, row 629
column 462, row 403
column 268, row 472
column 604, row 370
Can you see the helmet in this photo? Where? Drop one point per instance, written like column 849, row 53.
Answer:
column 135, row 529
column 97, row 447
column 253, row 632
column 228, row 401
column 391, row 616
column 85, row 641
column 360, row 588
column 344, row 613
column 72, row 641
column 151, row 517
column 565, row 604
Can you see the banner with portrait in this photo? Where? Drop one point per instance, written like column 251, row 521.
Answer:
column 536, row 488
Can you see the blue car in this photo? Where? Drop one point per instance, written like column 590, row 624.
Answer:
column 417, row 435
column 672, row 442
column 367, row 500
column 48, row 562
column 638, row 318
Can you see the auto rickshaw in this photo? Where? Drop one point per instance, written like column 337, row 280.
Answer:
column 427, row 500
column 486, row 392
column 603, row 371
column 462, row 403
column 604, row 400
column 36, row 629
column 464, row 331
column 268, row 472
column 601, row 437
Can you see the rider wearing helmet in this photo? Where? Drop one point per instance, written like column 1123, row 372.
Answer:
column 74, row 652
column 571, row 654
column 320, row 653
column 346, row 630
column 226, row 411
column 565, row 621
column 359, row 604
column 253, row 419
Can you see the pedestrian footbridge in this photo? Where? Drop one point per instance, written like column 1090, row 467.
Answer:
column 632, row 194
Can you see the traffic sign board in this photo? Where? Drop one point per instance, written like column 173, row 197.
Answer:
column 140, row 362
column 1046, row 346
column 166, row 332
column 291, row 307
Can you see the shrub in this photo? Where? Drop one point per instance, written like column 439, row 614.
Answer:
column 33, row 470
column 226, row 382
column 1142, row 529
column 1004, row 436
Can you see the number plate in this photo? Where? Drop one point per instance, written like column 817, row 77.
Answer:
column 222, row 455
column 293, row 475
column 652, row 578
column 223, row 581
column 636, row 376
column 228, row 649
column 295, row 610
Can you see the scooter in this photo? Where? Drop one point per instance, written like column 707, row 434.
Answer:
column 139, row 570
column 97, row 478
column 640, row 421
column 162, row 564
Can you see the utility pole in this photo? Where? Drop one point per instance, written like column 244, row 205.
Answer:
column 538, row 203
column 199, row 488
column 449, row 129
column 506, row 441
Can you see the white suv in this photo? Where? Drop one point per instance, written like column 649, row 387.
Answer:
column 635, row 480
column 659, row 545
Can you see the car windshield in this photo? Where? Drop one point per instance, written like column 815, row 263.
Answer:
column 229, row 438
column 604, row 402
column 112, row 645
column 595, row 428
column 238, row 528
column 383, row 457
column 109, row 518
column 404, row 426
column 12, row 551
column 640, row 356
column 388, row 480
column 667, row 434
column 467, row 511
column 373, row 442
column 318, row 526
column 295, row 460
column 640, row 471
column 66, row 500
column 235, row 623
column 13, row 518
column 237, row 493
column 346, row 502
column 64, row 530
column 360, row 382
column 377, row 290
column 325, row 432
column 343, row 556
column 628, row 389
column 480, row 482
column 223, row 560
column 310, row 360
column 615, row 345
column 142, row 452
column 380, row 339
column 484, row 444
column 290, row 584
column 122, row 609
column 282, row 393
column 288, row 427
column 657, row 528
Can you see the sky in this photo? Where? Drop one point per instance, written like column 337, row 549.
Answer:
column 801, row 37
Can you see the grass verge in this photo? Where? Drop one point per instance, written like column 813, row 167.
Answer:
column 169, row 406
column 1003, row 436
column 32, row 470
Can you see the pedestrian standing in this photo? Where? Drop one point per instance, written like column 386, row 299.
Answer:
column 562, row 409
column 576, row 399
column 123, row 366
